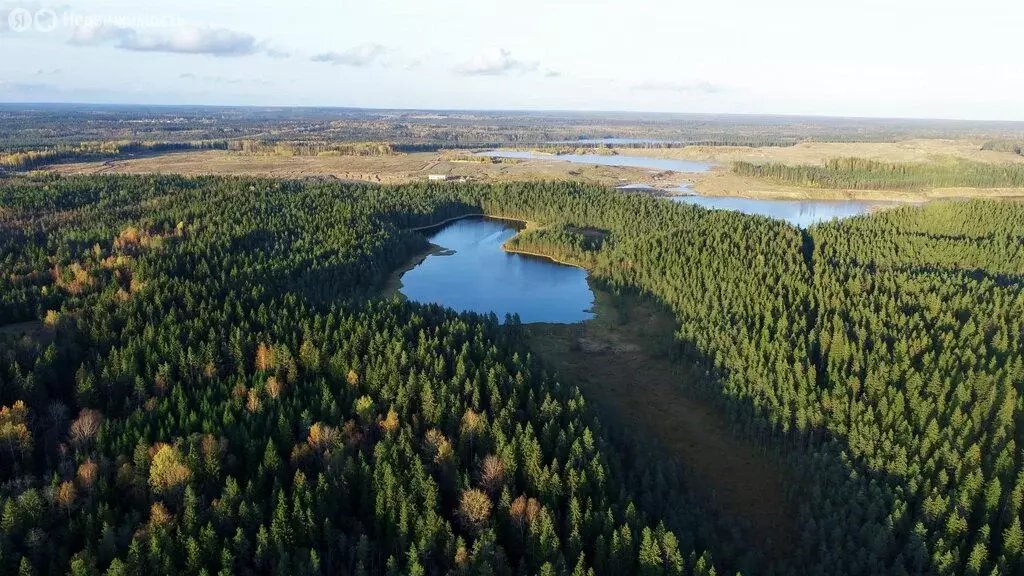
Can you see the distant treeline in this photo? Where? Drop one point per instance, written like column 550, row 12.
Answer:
column 313, row 148
column 410, row 147
column 863, row 174
column 482, row 159
column 1017, row 147
column 34, row 158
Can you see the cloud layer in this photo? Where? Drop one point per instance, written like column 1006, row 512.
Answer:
column 359, row 56
column 498, row 63
column 206, row 41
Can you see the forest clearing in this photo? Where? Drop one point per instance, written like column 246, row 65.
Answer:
column 623, row 362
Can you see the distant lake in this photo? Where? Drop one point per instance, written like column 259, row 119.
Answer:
column 801, row 213
column 477, row 275
column 603, row 160
column 614, row 141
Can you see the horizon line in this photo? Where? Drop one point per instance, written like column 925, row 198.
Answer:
column 512, row 110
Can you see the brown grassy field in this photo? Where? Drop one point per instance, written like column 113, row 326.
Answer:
column 818, row 152
column 620, row 361
column 398, row 169
column 722, row 182
column 404, row 168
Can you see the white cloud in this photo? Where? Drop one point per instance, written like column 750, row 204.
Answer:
column 358, row 56
column 95, row 35
column 497, row 63
column 274, row 51
column 205, row 41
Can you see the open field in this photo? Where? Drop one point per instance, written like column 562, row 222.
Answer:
column 726, row 183
column 722, row 182
column 620, row 360
column 918, row 150
column 398, row 169
column 404, row 168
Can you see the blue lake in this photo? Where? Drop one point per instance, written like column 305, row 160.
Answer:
column 801, row 213
column 605, row 160
column 477, row 275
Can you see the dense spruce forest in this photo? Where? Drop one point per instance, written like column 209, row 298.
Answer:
column 862, row 174
column 212, row 392
column 196, row 378
column 35, row 157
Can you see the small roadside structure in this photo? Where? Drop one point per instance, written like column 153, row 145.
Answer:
column 438, row 177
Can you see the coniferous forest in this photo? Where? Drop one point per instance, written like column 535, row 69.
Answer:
column 197, row 378
column 863, row 174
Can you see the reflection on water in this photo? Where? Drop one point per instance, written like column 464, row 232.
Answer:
column 479, row 276
column 802, row 213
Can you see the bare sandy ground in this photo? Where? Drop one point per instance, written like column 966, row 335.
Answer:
column 398, row 169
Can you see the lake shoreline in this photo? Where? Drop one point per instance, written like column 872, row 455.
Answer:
column 393, row 285
column 527, row 225
column 539, row 287
column 506, row 248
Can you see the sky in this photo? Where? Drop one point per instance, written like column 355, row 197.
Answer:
column 892, row 58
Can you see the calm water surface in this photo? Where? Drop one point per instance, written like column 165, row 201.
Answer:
column 479, row 276
column 602, row 160
column 801, row 213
